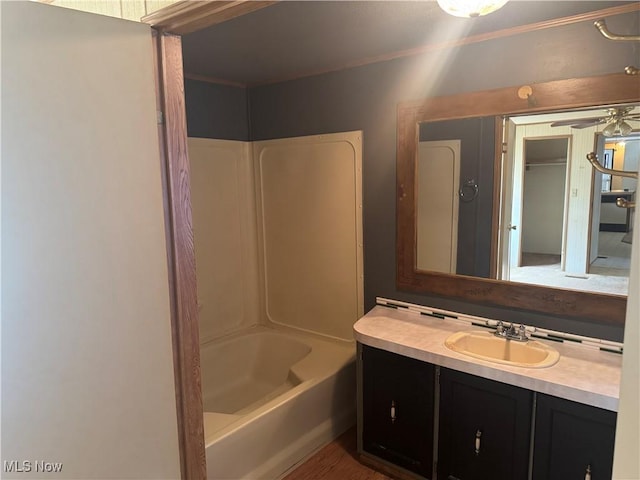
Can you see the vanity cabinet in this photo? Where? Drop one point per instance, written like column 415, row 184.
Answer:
column 572, row 441
column 485, row 428
column 397, row 409
column 438, row 423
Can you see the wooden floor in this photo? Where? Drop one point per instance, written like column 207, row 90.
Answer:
column 336, row 461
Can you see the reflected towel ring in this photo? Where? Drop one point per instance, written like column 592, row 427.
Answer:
column 469, row 190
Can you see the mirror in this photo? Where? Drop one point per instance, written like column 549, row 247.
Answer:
column 550, row 241
column 455, row 164
column 462, row 135
column 566, row 230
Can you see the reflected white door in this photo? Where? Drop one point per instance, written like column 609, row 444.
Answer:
column 596, row 200
column 517, row 194
column 438, row 177
column 508, row 227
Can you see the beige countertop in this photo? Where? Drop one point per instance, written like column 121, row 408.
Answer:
column 583, row 374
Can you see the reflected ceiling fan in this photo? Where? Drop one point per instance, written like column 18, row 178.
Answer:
column 615, row 119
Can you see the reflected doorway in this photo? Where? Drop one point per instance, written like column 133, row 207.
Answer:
column 611, row 225
column 590, row 257
column 543, row 200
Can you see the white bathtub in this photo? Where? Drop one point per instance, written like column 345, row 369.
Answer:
column 272, row 397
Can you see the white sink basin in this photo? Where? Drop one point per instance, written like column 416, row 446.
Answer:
column 486, row 346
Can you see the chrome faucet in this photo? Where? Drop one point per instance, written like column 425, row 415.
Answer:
column 519, row 334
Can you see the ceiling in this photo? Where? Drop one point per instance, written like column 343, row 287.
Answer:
column 546, row 149
column 298, row 38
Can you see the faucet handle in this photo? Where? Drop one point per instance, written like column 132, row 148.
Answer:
column 525, row 331
column 527, row 328
column 493, row 323
column 522, row 332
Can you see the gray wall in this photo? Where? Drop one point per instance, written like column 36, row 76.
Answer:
column 216, row 111
column 366, row 98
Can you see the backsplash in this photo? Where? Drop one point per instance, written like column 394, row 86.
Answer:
column 470, row 320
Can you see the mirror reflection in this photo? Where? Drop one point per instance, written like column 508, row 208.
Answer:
column 558, row 224
column 454, row 179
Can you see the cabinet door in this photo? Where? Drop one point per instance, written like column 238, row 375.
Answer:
column 572, row 438
column 398, row 397
column 484, row 429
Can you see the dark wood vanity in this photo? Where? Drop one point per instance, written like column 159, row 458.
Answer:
column 434, row 417
column 397, row 404
column 480, row 429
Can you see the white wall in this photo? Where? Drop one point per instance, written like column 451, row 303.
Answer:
column 87, row 369
column 310, row 231
column 127, row 9
column 278, row 233
column 225, row 235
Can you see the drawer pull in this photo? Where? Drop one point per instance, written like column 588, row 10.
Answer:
column 393, row 411
column 478, row 435
column 587, row 474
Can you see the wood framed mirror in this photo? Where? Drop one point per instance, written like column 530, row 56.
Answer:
column 490, row 108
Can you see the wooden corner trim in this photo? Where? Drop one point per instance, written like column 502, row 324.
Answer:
column 188, row 16
column 181, row 257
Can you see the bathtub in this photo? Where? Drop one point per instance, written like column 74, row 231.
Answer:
column 271, row 397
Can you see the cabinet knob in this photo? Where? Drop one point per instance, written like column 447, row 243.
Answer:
column 587, row 474
column 393, row 411
column 478, row 435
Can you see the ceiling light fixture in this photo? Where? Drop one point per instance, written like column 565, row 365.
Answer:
column 470, row 8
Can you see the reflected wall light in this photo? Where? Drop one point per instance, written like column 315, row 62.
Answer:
column 470, row 8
